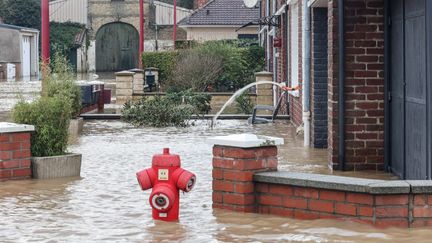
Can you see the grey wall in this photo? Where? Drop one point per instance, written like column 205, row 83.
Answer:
column 10, row 45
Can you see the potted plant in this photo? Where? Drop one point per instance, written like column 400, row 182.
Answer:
column 60, row 82
column 51, row 118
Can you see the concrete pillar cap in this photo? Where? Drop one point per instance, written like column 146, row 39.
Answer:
column 6, row 127
column 124, row 73
column 263, row 73
column 246, row 140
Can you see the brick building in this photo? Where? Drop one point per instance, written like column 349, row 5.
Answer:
column 383, row 69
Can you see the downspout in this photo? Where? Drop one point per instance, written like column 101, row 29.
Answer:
column 386, row 87
column 341, row 91
column 306, row 53
column 275, row 90
column 287, row 58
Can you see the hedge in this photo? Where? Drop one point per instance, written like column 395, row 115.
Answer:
column 164, row 61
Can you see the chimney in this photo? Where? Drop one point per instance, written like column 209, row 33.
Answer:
column 200, row 3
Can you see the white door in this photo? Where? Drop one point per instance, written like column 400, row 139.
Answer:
column 26, row 63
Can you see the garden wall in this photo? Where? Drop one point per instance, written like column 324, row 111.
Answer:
column 217, row 101
column 246, row 180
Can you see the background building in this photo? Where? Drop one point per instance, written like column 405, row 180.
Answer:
column 220, row 20
column 19, row 46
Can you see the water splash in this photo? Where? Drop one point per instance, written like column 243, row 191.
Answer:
column 238, row 93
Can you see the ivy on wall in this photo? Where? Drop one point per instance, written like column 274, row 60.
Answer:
column 62, row 36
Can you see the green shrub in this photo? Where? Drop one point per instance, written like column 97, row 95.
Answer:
column 60, row 82
column 244, row 104
column 156, row 112
column 200, row 101
column 232, row 75
column 174, row 109
column 50, row 116
column 164, row 61
column 254, row 57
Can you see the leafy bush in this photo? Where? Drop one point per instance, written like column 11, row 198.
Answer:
column 195, row 70
column 200, row 101
column 50, row 116
column 174, row 109
column 60, row 82
column 164, row 61
column 156, row 112
column 232, row 75
column 254, row 57
column 244, row 104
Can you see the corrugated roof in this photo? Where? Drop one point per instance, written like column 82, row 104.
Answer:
column 222, row 12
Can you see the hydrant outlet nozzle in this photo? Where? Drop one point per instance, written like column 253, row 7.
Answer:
column 166, row 151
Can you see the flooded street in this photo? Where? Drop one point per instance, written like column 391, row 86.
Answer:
column 106, row 204
column 13, row 91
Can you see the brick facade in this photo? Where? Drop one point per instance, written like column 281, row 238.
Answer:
column 319, row 74
column 364, row 84
column 15, row 156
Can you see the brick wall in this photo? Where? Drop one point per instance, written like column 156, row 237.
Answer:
column 310, row 203
column 14, row 156
column 233, row 170
column 319, row 74
column 364, row 84
column 238, row 187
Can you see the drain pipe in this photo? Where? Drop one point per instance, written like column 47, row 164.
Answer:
column 306, row 72
column 341, row 21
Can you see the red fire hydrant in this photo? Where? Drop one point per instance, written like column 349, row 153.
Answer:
column 166, row 178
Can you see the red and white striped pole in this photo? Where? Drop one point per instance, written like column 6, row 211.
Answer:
column 175, row 23
column 45, row 31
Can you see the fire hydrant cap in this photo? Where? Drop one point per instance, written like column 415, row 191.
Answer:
column 166, row 159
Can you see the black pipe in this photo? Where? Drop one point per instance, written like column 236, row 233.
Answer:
column 386, row 86
column 341, row 21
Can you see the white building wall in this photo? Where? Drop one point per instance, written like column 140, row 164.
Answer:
column 165, row 13
column 202, row 34
column 69, row 10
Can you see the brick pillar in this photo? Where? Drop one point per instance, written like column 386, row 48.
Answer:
column 234, row 164
column 138, row 81
column 124, row 86
column 15, row 151
column 264, row 91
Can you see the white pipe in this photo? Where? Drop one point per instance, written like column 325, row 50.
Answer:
column 306, row 53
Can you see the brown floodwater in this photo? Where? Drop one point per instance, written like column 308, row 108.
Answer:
column 106, row 203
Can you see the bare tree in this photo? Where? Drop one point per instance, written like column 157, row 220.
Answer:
column 196, row 70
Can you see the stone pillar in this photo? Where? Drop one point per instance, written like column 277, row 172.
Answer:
column 138, row 81
column 235, row 160
column 264, row 91
column 124, row 86
column 15, row 152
